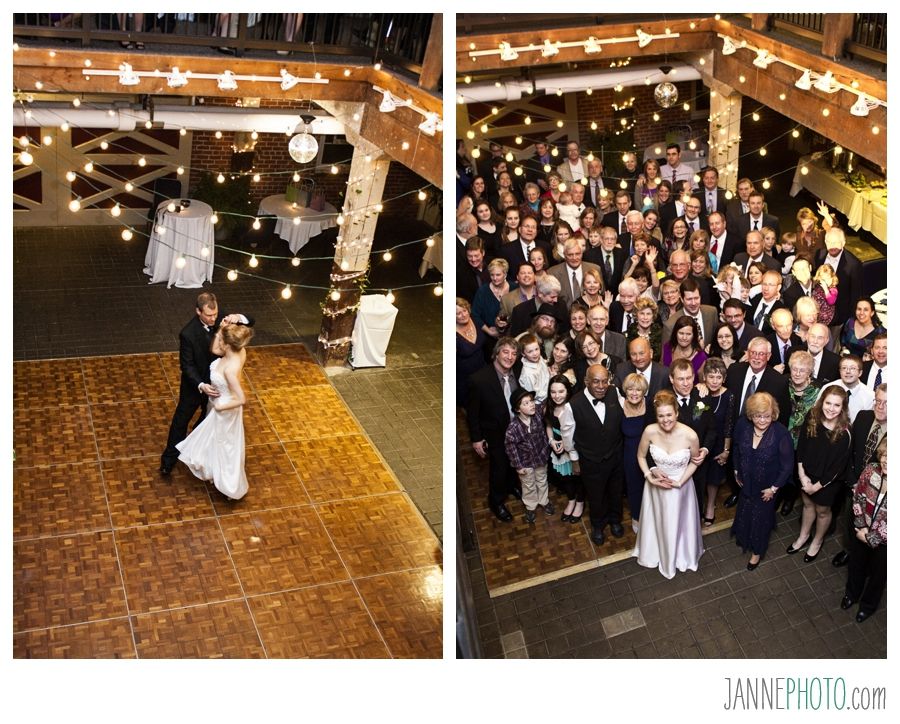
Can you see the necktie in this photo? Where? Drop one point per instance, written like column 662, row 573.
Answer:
column 607, row 265
column 710, row 203
column 784, row 350
column 760, row 316
column 596, row 401
column 878, row 377
column 693, row 226
column 684, row 403
column 871, row 442
column 714, row 249
column 622, row 227
column 699, row 328
column 751, row 388
column 629, row 318
column 756, row 225
column 507, row 393
column 673, row 176
column 576, row 287
column 529, row 247
column 594, row 192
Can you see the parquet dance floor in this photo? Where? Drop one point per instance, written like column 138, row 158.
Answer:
column 325, row 556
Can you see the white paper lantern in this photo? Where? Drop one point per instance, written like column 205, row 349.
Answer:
column 303, row 147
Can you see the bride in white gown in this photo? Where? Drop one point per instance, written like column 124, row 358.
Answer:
column 215, row 448
column 669, row 537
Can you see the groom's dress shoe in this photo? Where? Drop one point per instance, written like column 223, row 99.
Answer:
column 165, row 469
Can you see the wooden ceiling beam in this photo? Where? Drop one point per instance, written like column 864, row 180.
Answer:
column 805, row 107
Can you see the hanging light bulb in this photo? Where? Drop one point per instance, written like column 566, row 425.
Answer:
column 204, row 252
column 296, row 177
column 89, row 167
column 422, row 195
column 232, row 275
column 76, row 102
column 220, row 178
column 256, row 225
column 438, row 291
column 390, row 297
column 339, row 219
column 70, row 176
column 527, row 120
column 766, row 185
column 335, row 295
column 127, row 235
column 379, row 208
column 116, row 210
column 296, row 221
column 142, row 162
column 182, row 132
column 104, row 145
column 180, row 170
column 74, row 205
column 476, row 152
column 295, row 261
column 64, row 127
column 180, row 262
column 129, row 187
column 286, row 292
column 214, row 219
column 429, row 242
column 256, row 178
column 387, row 256
column 25, row 158
column 334, row 169
column 254, row 262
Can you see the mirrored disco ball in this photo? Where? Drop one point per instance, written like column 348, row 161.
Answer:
column 303, row 147
column 666, row 95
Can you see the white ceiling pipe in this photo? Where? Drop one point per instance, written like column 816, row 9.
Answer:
column 511, row 89
column 174, row 117
column 570, row 82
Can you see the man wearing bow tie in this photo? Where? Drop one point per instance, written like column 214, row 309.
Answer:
column 195, row 356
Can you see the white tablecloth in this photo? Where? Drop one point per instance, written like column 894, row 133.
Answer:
column 863, row 209
column 372, row 331
column 433, row 258
column 186, row 233
column 312, row 222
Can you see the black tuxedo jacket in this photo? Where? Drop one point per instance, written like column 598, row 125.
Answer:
column 617, row 316
column 764, row 325
column 742, row 226
column 595, row 255
column 597, row 442
column 850, row 284
column 612, row 219
column 792, row 294
column 704, row 424
column 775, row 359
column 468, row 280
column 733, row 211
column 859, row 433
column 486, row 410
column 512, row 252
column 721, row 201
column 770, row 381
column 195, row 354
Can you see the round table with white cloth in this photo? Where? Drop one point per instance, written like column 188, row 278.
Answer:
column 177, row 234
column 297, row 224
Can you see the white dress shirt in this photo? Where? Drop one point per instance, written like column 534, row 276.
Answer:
column 599, row 408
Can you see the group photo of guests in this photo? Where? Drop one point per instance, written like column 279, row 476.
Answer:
column 655, row 353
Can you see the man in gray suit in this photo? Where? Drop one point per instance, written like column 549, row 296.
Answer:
column 570, row 274
column 612, row 343
column 706, row 317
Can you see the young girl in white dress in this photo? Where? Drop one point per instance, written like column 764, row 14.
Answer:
column 214, row 450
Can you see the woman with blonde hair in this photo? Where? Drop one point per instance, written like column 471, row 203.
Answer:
column 806, row 312
column 215, row 449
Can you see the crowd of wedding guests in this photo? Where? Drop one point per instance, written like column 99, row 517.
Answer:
column 604, row 322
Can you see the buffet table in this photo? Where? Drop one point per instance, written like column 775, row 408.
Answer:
column 865, row 208
column 181, row 233
column 296, row 224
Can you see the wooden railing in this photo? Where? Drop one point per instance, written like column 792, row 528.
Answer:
column 397, row 40
column 869, row 38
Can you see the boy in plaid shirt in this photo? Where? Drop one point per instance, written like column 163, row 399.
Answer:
column 528, row 450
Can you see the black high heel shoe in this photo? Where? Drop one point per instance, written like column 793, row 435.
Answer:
column 791, row 550
column 807, row 558
column 754, row 566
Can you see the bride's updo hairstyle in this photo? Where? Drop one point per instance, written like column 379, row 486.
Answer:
column 237, row 336
column 663, row 398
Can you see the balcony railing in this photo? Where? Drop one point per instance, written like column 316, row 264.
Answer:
column 396, row 39
column 869, row 38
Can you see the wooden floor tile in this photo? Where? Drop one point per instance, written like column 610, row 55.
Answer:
column 53, row 436
column 48, row 383
column 516, row 551
column 171, row 364
column 300, row 413
column 380, row 535
column 125, row 377
column 277, row 366
column 273, row 482
column 132, row 429
column 280, row 549
column 177, row 564
column 58, row 499
column 321, row 622
column 99, row 640
column 408, row 610
column 69, row 579
column 340, row 467
column 215, row 631
column 258, row 428
column 139, row 495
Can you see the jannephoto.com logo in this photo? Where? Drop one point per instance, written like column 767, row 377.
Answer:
column 809, row 693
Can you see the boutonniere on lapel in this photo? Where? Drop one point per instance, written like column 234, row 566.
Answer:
column 699, row 408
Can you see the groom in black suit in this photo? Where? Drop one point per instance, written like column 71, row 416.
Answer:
column 195, row 356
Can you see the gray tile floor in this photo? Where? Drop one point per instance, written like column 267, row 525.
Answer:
column 80, row 291
column 784, row 609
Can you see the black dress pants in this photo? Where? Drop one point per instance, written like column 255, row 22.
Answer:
column 866, row 574
column 603, row 483
column 190, row 399
column 502, row 479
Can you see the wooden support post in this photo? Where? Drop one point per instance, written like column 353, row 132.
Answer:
column 836, row 31
column 433, row 63
column 365, row 187
column 724, row 131
column 759, row 21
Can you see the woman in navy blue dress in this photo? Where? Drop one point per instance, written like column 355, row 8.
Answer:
column 763, row 456
column 634, row 420
column 470, row 341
